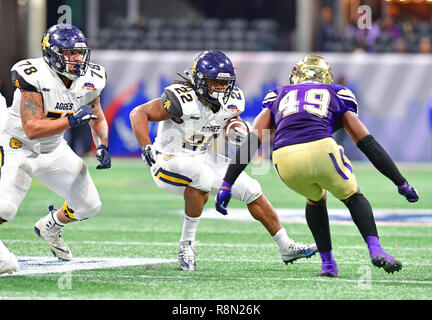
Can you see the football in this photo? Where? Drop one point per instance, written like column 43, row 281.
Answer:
column 233, row 129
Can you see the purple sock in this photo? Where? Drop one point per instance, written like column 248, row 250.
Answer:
column 375, row 249
column 327, row 257
column 372, row 241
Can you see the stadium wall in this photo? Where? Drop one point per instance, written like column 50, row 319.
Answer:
column 394, row 92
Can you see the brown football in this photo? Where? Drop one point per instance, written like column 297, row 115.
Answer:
column 231, row 126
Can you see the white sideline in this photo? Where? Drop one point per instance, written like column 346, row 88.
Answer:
column 30, row 265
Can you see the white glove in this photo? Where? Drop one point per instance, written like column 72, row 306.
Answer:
column 148, row 155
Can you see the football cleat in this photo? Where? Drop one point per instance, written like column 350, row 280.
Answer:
column 47, row 229
column 186, row 255
column 298, row 250
column 8, row 261
column 383, row 260
column 328, row 269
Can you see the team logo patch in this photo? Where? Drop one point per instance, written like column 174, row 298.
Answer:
column 232, row 107
column 167, row 104
column 15, row 143
column 89, row 86
column 45, row 42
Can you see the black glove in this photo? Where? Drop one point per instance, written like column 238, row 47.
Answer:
column 104, row 157
column 82, row 116
column 148, row 155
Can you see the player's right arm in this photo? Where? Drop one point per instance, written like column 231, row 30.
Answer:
column 31, row 110
column 168, row 106
column 142, row 114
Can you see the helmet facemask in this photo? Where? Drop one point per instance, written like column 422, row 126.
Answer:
column 207, row 87
column 66, row 64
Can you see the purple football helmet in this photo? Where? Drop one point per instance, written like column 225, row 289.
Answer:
column 213, row 65
column 59, row 38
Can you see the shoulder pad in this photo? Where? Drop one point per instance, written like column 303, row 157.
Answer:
column 96, row 75
column 25, row 75
column 347, row 96
column 183, row 100
column 236, row 100
column 269, row 98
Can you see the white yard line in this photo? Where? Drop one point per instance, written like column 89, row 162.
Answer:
column 199, row 244
column 316, row 279
column 30, row 265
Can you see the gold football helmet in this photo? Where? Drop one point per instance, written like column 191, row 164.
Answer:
column 311, row 68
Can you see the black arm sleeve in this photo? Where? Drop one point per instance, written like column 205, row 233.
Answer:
column 242, row 157
column 171, row 104
column 380, row 159
column 19, row 82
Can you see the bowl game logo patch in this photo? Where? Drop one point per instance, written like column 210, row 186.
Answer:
column 15, row 143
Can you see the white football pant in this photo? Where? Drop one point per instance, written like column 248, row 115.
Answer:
column 61, row 170
column 204, row 172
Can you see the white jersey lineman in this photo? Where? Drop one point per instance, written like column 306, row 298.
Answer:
column 182, row 143
column 50, row 159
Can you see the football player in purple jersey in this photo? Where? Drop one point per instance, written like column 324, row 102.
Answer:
column 304, row 116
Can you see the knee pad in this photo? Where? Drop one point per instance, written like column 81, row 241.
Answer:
column 7, row 211
column 94, row 210
column 246, row 189
column 84, row 211
column 253, row 192
column 204, row 181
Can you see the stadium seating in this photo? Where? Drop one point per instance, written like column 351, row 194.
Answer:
column 188, row 34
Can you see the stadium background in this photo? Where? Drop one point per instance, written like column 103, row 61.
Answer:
column 144, row 44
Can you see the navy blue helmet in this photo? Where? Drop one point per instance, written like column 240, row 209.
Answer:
column 213, row 65
column 59, row 38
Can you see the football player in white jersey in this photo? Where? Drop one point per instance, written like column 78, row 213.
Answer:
column 58, row 91
column 8, row 261
column 193, row 113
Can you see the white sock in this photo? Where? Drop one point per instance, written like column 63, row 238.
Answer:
column 56, row 219
column 190, row 226
column 281, row 238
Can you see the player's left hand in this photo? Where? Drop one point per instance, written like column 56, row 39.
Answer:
column 408, row 192
column 83, row 115
column 238, row 135
column 104, row 157
column 223, row 197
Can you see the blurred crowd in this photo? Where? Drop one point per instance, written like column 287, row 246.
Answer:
column 385, row 34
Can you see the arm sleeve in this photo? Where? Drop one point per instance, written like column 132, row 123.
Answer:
column 242, row 157
column 380, row 159
column 171, row 104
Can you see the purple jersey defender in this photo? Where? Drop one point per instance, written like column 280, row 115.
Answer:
column 307, row 112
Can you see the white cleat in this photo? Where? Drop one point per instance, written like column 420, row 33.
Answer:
column 186, row 255
column 298, row 250
column 8, row 261
column 49, row 230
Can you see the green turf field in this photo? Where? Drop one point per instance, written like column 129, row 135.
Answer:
column 236, row 259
